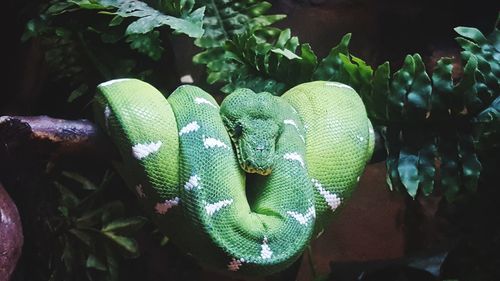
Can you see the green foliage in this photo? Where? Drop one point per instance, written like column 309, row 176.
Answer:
column 90, row 41
column 228, row 24
column 92, row 234
column 430, row 122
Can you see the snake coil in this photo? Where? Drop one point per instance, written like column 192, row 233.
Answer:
column 187, row 160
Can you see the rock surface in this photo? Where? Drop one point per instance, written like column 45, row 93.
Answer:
column 11, row 235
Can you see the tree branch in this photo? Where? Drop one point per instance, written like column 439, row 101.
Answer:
column 58, row 137
column 52, row 137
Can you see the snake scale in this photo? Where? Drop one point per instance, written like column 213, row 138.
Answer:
column 188, row 159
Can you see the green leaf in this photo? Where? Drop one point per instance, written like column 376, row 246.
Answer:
column 471, row 167
column 464, row 93
column 392, row 145
column 124, row 225
column 286, row 53
column 376, row 102
column 86, row 183
column 471, row 33
column 150, row 18
column 408, row 171
column 125, row 244
column 89, row 5
column 426, row 167
column 449, row 169
column 330, row 67
column 95, row 263
column 148, row 44
column 442, row 87
column 401, row 83
column 68, row 198
column 419, row 95
column 115, row 21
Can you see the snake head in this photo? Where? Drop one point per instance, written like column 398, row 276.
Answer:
column 253, row 122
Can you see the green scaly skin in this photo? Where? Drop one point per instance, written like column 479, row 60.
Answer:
column 187, row 158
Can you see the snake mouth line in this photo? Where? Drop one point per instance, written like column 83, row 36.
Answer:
column 243, row 164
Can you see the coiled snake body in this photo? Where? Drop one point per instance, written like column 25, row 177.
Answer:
column 187, row 160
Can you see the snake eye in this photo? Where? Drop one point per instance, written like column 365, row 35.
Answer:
column 238, row 130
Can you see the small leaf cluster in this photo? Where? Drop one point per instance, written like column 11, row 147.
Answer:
column 227, row 20
column 93, row 235
column 429, row 121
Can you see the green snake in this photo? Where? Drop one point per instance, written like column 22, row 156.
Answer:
column 188, row 160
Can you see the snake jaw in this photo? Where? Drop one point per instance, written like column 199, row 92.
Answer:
column 246, row 164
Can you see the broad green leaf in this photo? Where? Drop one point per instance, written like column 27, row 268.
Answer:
column 442, row 87
column 330, row 67
column 89, row 5
column 449, row 168
column 419, row 94
column 464, row 93
column 376, row 102
column 408, row 171
column 401, row 83
column 124, row 225
column 308, row 63
column 471, row 33
column 150, row 18
column 471, row 167
column 126, row 244
column 286, row 53
column 426, row 167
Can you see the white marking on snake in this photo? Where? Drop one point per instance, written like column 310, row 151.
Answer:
column 303, row 218
column 294, row 156
column 235, row 264
column 142, row 150
column 209, row 142
column 214, row 207
column 191, row 127
column 337, row 84
column 360, row 138
column 107, row 115
column 331, row 198
column 111, row 82
column 140, row 191
column 265, row 252
column 162, row 208
column 199, row 100
column 192, row 183
column 291, row 122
